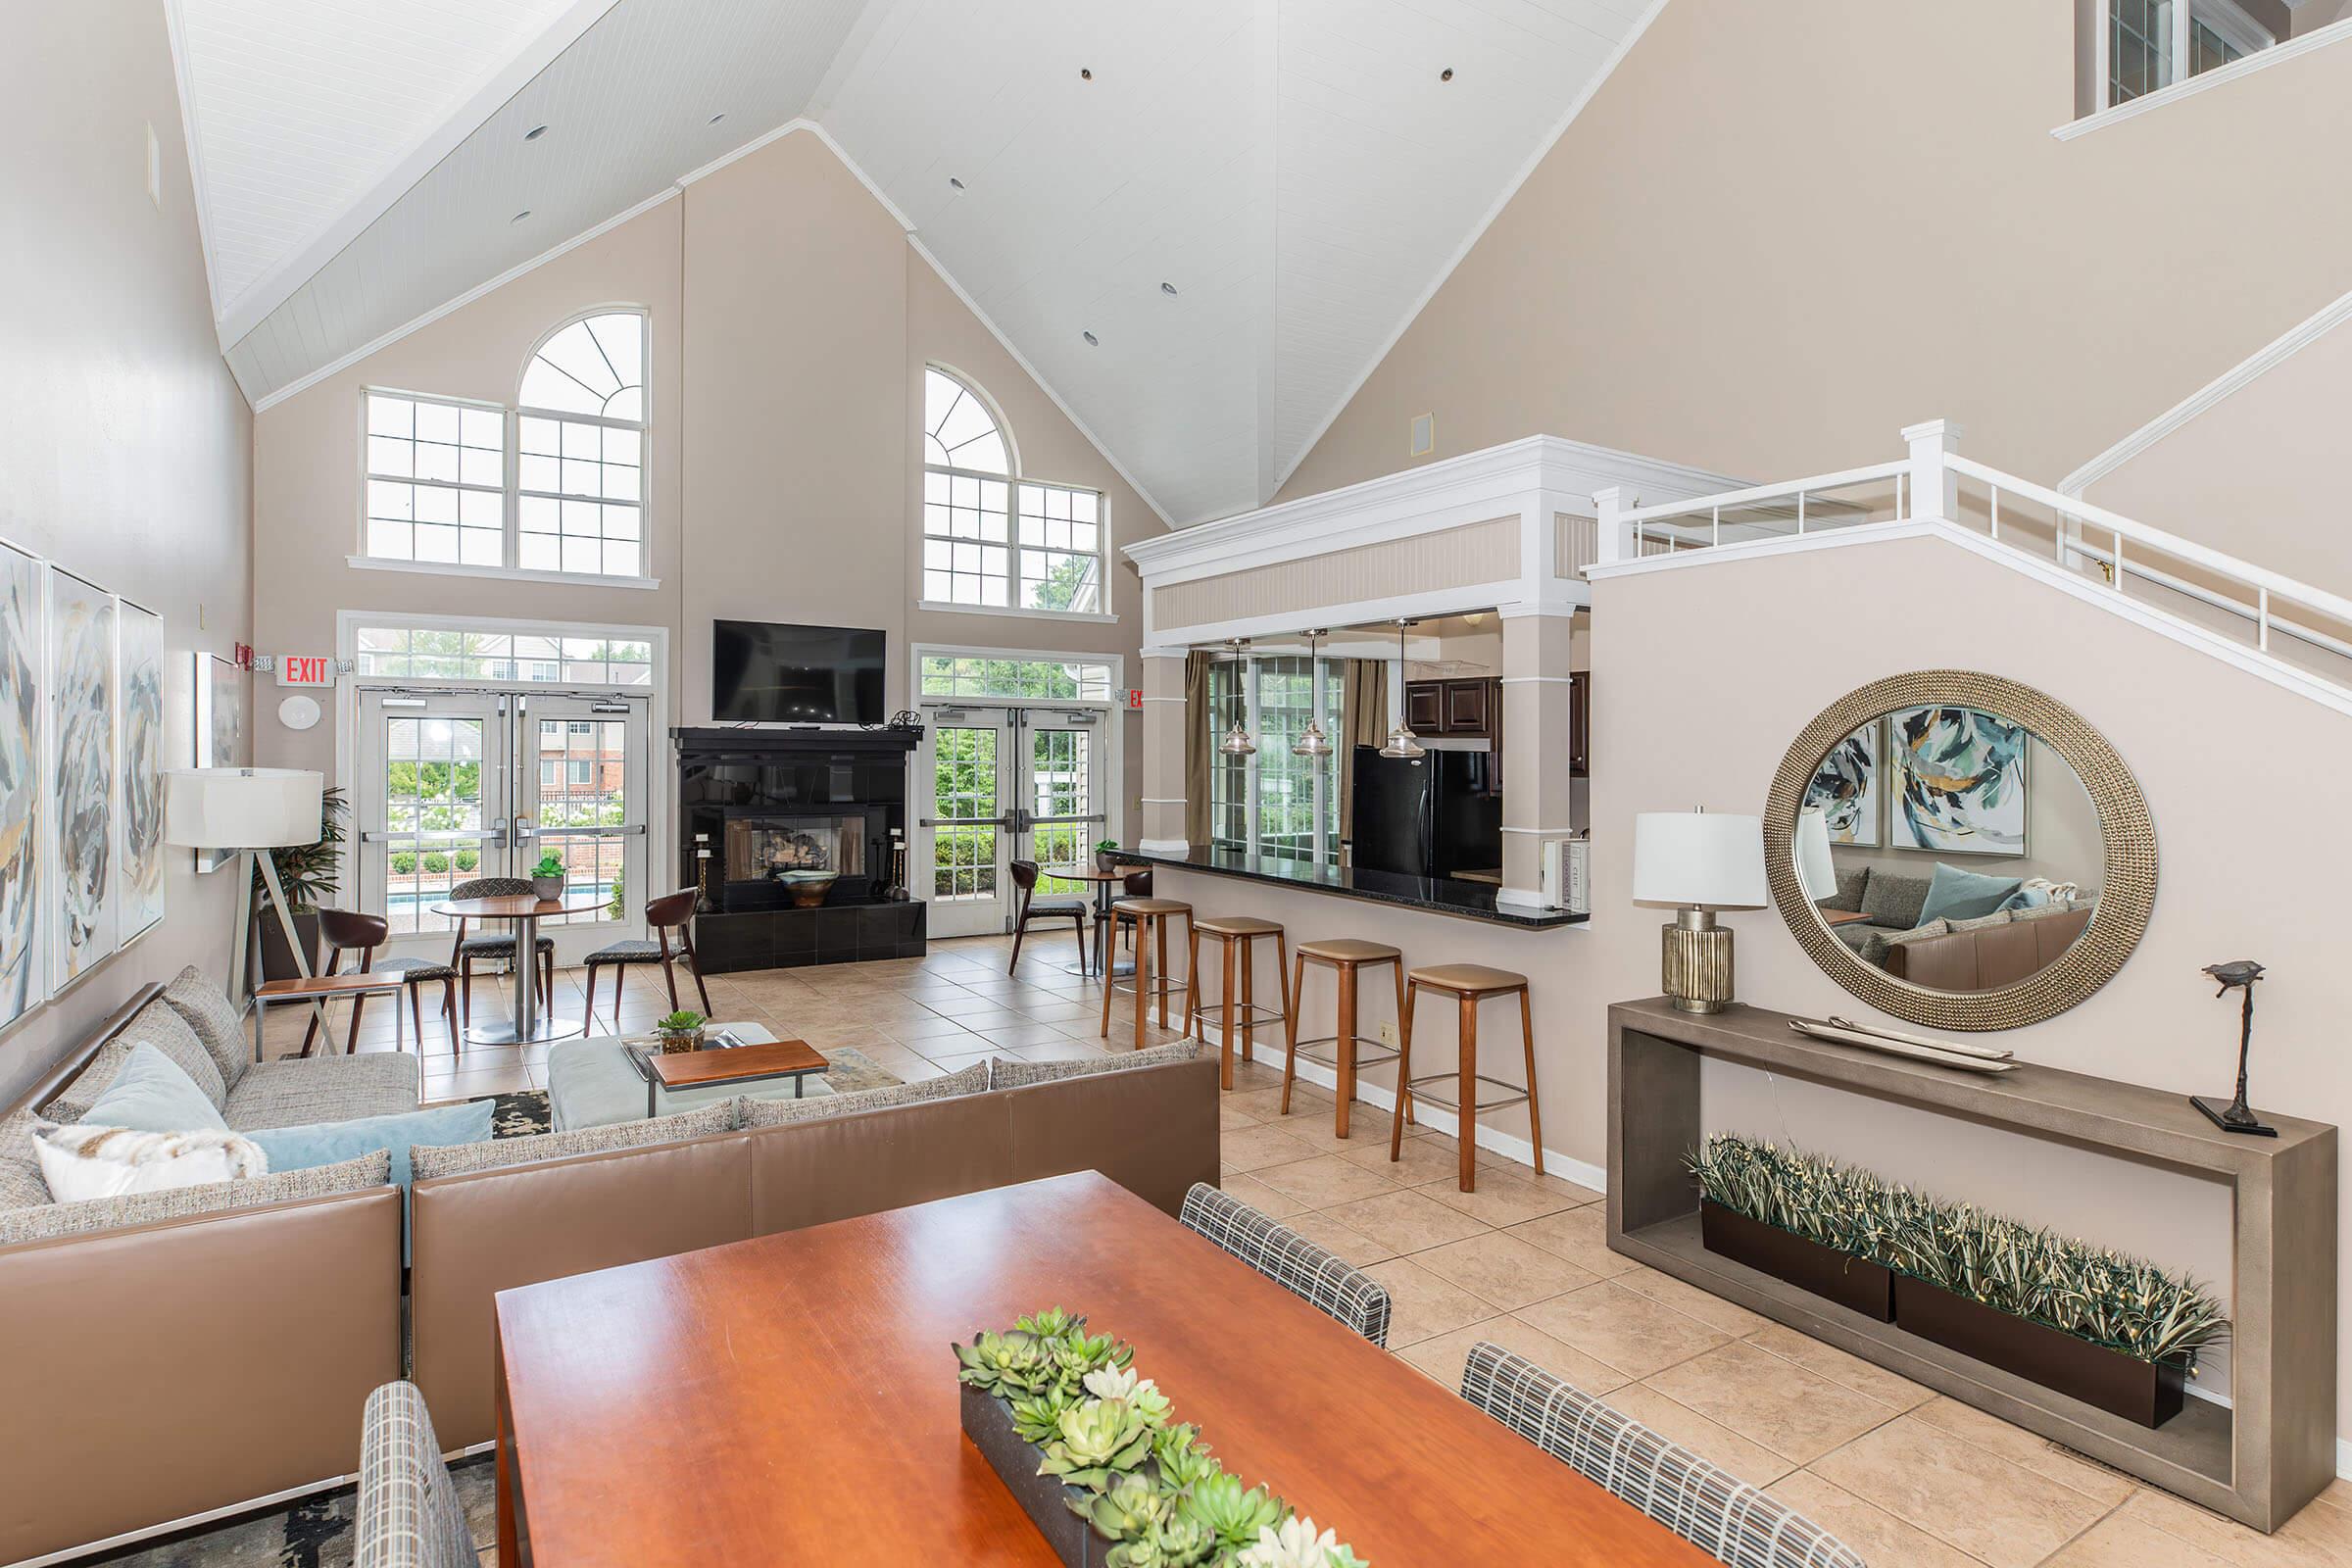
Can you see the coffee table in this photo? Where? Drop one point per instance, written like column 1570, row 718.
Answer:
column 733, row 1067
column 1837, row 917
column 593, row 1083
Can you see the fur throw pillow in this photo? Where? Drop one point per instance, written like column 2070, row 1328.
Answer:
column 81, row 1161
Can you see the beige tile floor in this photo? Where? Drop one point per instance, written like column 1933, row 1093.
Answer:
column 1904, row 1475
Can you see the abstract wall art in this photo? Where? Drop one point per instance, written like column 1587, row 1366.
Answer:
column 1959, row 776
column 86, row 925
column 140, row 806
column 1846, row 790
column 23, row 981
column 220, row 688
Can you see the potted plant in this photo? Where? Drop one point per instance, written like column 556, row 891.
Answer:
column 680, row 1031
column 307, row 872
column 1106, row 854
column 547, row 877
column 1795, row 1217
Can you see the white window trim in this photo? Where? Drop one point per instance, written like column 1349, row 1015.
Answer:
column 504, row 489
column 2276, row 55
column 458, row 569
column 1012, row 478
column 917, row 653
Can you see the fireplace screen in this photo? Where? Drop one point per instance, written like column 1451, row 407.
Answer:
column 762, row 847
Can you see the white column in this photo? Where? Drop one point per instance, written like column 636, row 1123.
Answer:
column 1616, row 536
column 1935, row 486
column 1163, row 828
column 1537, row 796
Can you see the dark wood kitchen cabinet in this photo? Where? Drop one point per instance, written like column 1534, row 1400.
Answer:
column 1425, row 707
column 1467, row 707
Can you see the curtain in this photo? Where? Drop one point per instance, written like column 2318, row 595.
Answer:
column 1199, row 746
column 1364, row 721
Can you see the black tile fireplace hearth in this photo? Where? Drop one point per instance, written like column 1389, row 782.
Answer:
column 759, row 806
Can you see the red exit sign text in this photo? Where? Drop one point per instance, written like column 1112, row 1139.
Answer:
column 305, row 670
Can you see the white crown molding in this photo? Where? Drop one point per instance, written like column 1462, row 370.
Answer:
column 2236, row 378
column 2277, row 55
column 1510, row 192
column 240, row 316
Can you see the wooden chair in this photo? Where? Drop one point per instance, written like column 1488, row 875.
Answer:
column 1028, row 906
column 672, row 911
column 408, row 1512
column 350, row 931
column 465, row 949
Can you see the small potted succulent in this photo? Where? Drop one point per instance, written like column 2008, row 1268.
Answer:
column 547, row 877
column 1106, row 854
column 680, row 1032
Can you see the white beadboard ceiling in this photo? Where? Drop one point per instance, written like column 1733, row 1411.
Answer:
column 1295, row 168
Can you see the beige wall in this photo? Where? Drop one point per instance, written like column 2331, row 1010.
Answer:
column 1770, row 241
column 125, row 447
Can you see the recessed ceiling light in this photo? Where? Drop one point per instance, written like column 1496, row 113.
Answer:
column 1092, row 341
column 1446, row 75
column 1084, row 74
column 1168, row 289
column 534, row 134
column 519, row 216
column 958, row 184
column 715, row 118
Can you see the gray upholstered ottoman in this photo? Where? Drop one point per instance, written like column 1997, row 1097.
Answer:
column 592, row 1083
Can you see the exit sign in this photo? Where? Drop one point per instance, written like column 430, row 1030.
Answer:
column 305, row 670
column 1135, row 697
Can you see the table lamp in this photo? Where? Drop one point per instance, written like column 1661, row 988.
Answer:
column 1699, row 863
column 1816, row 871
column 247, row 810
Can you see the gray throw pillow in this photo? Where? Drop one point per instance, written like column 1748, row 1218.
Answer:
column 22, row 1185
column 1007, row 1074
column 216, row 1020
column 972, row 1080
column 426, row 1161
column 1850, row 886
column 180, row 1202
column 157, row 1025
column 1893, row 899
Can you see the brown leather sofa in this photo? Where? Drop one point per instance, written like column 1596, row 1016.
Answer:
column 203, row 1364
column 1987, row 958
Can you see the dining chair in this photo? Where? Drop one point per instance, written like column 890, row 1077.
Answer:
column 408, row 1513
column 1723, row 1517
column 1028, row 906
column 671, row 911
column 350, row 931
column 1289, row 1261
column 465, row 949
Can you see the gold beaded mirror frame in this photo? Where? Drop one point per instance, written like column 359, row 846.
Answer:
column 2129, row 852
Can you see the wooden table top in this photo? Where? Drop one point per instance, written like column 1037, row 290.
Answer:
column 1088, row 873
column 688, row 1069
column 329, row 985
column 1838, row 917
column 514, row 907
column 793, row 1399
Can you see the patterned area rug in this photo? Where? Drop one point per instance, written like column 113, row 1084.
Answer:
column 313, row 1534
column 525, row 1113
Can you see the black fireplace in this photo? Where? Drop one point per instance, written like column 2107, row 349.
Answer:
column 765, row 814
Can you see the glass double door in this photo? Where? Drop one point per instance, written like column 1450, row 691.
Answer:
column 459, row 785
column 1005, row 784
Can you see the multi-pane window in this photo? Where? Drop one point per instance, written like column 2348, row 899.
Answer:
column 555, row 485
column 1295, row 798
column 2154, row 43
column 428, row 654
column 963, row 844
column 436, row 480
column 991, row 539
column 978, row 675
column 582, row 798
column 1228, row 776
column 432, row 814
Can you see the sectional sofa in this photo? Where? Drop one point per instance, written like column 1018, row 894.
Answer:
column 214, row 1353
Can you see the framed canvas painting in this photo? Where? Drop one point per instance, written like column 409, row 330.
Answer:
column 139, row 800
column 219, row 730
column 85, row 924
column 23, row 981
column 1960, row 781
column 1846, row 790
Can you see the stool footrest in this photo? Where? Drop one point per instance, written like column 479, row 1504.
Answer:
column 1211, row 1010
column 1513, row 1094
column 1157, row 985
column 1377, row 1056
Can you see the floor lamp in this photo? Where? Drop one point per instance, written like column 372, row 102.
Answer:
column 248, row 809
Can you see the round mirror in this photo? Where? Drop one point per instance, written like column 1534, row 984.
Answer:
column 1960, row 850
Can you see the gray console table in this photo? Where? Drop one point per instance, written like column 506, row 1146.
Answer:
column 2257, row 1461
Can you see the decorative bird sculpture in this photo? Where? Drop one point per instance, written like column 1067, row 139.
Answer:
column 2237, row 1116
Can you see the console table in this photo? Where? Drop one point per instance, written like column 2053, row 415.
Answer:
column 2257, row 1461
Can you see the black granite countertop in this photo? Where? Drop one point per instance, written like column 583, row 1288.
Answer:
column 1470, row 900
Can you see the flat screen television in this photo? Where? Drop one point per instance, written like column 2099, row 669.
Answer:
column 765, row 673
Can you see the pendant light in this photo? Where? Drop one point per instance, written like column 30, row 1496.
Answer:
column 1313, row 743
column 1402, row 742
column 1237, row 741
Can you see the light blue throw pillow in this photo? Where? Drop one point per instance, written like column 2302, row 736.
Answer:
column 2026, row 899
column 1957, row 894
column 153, row 1093
column 329, row 1142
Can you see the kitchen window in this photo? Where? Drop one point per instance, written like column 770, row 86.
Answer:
column 1276, row 803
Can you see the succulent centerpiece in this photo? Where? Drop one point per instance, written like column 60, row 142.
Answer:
column 1093, row 1453
column 680, row 1031
column 547, row 877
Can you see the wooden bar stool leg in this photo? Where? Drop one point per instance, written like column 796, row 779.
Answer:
column 1191, row 995
column 1225, row 1017
column 1107, row 989
column 1248, row 996
column 1282, row 978
column 1143, row 976
column 1405, row 1073
column 449, row 1015
column 1535, row 1119
column 1294, row 989
column 1347, row 1045
column 415, row 1012
column 1160, row 925
column 1401, row 1017
column 1466, row 1119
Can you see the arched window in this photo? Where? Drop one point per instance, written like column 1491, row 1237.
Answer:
column 992, row 540
column 579, row 439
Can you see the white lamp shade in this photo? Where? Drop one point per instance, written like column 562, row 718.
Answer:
column 242, row 807
column 1815, row 869
column 1699, row 860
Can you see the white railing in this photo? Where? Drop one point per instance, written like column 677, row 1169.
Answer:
column 1927, row 487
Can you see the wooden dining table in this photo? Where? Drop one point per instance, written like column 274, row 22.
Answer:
column 793, row 1399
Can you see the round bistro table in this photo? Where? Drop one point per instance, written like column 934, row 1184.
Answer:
column 1104, row 882
column 530, row 1019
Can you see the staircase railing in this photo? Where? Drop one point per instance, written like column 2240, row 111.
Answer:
column 2177, row 576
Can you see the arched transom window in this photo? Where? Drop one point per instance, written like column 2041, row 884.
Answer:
column 992, row 539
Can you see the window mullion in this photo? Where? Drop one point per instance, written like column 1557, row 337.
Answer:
column 511, row 503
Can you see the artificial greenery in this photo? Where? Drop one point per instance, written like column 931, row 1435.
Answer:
column 684, row 1021
column 1146, row 1484
column 307, row 872
column 549, row 864
column 1106, row 846
column 2123, row 1303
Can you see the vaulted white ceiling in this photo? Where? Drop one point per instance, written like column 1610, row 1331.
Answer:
column 1301, row 173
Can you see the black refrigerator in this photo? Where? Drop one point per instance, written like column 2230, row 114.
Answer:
column 1436, row 815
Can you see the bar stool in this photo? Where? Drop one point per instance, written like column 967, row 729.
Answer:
column 1245, row 929
column 1346, row 955
column 1150, row 919
column 1469, row 984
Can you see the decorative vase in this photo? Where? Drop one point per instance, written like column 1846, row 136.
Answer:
column 547, row 888
column 2149, row 1392
column 1851, row 1281
column 677, row 1042
column 1106, row 861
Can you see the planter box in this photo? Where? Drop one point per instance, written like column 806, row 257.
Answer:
column 1853, row 1283
column 2148, row 1393
column 989, row 1424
